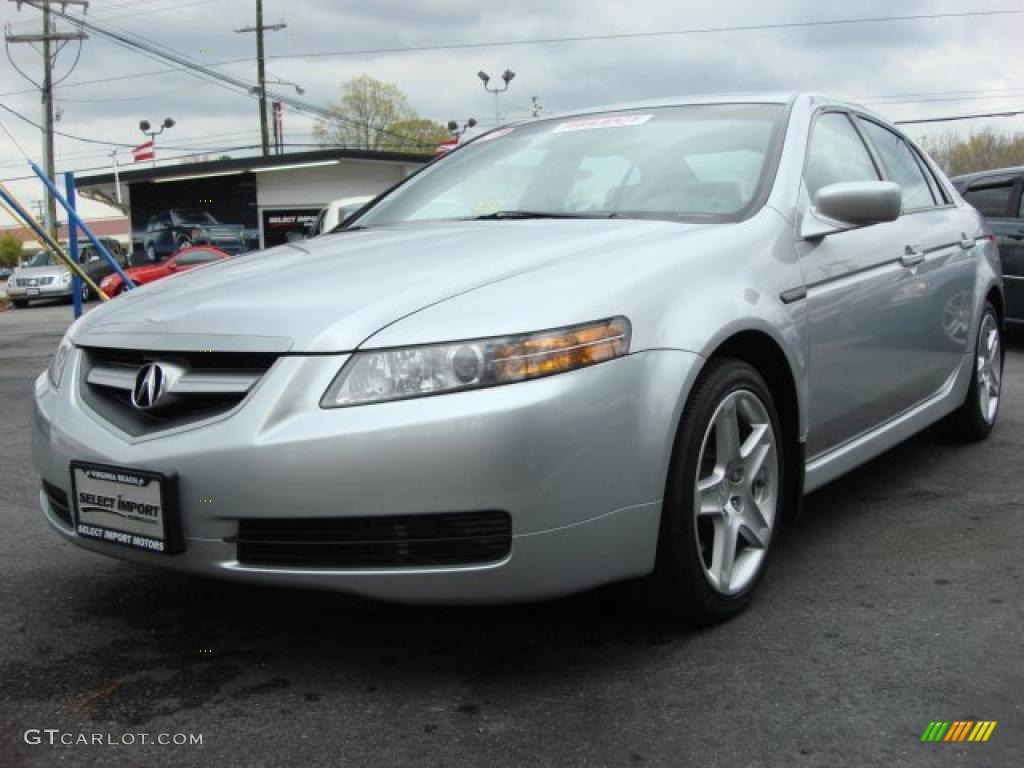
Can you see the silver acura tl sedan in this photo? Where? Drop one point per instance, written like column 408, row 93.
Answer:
column 619, row 344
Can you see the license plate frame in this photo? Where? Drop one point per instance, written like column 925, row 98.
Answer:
column 141, row 529
column 32, row 291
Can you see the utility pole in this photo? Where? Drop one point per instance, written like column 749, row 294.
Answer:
column 261, row 75
column 47, row 38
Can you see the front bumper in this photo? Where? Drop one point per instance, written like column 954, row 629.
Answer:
column 578, row 460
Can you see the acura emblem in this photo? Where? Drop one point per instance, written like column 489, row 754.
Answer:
column 150, row 384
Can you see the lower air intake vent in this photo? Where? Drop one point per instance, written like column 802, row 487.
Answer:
column 456, row 538
column 58, row 501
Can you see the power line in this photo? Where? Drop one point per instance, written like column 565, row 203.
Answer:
column 636, row 35
column 49, row 36
column 117, row 78
column 85, row 139
column 951, row 118
column 152, row 49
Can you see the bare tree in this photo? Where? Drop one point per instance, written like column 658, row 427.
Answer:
column 981, row 151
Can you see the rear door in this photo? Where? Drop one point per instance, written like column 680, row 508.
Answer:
column 934, row 229
column 999, row 199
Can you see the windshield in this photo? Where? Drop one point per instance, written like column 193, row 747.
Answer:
column 42, row 259
column 706, row 162
column 186, row 216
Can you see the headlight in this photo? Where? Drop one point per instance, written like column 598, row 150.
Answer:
column 65, row 278
column 60, row 357
column 397, row 374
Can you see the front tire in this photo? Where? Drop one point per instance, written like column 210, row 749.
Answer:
column 19, row 303
column 723, row 500
column 975, row 418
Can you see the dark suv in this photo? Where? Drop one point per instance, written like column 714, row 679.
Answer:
column 171, row 230
column 997, row 196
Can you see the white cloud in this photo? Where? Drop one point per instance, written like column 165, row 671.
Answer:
column 863, row 60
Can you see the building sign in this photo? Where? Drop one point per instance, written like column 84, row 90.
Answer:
column 283, row 224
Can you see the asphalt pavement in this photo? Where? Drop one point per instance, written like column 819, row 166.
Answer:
column 895, row 601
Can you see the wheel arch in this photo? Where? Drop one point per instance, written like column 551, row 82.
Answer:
column 994, row 296
column 764, row 353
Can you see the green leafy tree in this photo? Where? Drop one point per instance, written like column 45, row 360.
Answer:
column 10, row 250
column 980, row 151
column 371, row 114
column 418, row 135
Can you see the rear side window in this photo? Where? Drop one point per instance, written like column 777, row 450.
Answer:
column 900, row 166
column 990, row 199
column 836, row 154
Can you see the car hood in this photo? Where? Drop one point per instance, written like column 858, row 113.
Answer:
column 331, row 293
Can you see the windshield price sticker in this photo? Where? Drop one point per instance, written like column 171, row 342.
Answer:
column 494, row 135
column 610, row 121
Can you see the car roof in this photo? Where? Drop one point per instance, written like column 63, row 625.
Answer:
column 813, row 99
column 966, row 178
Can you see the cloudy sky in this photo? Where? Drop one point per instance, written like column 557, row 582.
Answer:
column 902, row 69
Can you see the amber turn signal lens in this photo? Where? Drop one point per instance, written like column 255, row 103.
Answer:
column 544, row 354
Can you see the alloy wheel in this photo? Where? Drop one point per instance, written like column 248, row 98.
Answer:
column 736, row 492
column 990, row 367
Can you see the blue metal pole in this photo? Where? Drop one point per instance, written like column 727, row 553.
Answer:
column 73, row 216
column 76, row 281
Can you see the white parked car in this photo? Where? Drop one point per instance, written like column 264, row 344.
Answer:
column 337, row 211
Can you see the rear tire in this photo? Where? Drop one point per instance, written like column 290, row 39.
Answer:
column 726, row 486
column 975, row 419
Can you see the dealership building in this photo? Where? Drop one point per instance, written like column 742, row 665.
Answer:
column 242, row 203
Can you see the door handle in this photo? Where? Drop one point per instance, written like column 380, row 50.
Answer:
column 912, row 256
column 967, row 242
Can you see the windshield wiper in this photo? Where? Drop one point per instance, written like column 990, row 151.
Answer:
column 539, row 215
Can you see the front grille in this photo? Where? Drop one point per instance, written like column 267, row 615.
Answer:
column 454, row 538
column 26, row 282
column 211, row 384
column 58, row 501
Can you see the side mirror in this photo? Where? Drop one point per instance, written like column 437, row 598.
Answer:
column 848, row 205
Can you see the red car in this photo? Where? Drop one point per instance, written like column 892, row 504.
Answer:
column 185, row 259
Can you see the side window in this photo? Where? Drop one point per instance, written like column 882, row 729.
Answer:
column 900, row 166
column 991, row 199
column 836, row 153
column 938, row 191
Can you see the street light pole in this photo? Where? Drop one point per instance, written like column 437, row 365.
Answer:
column 506, row 76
